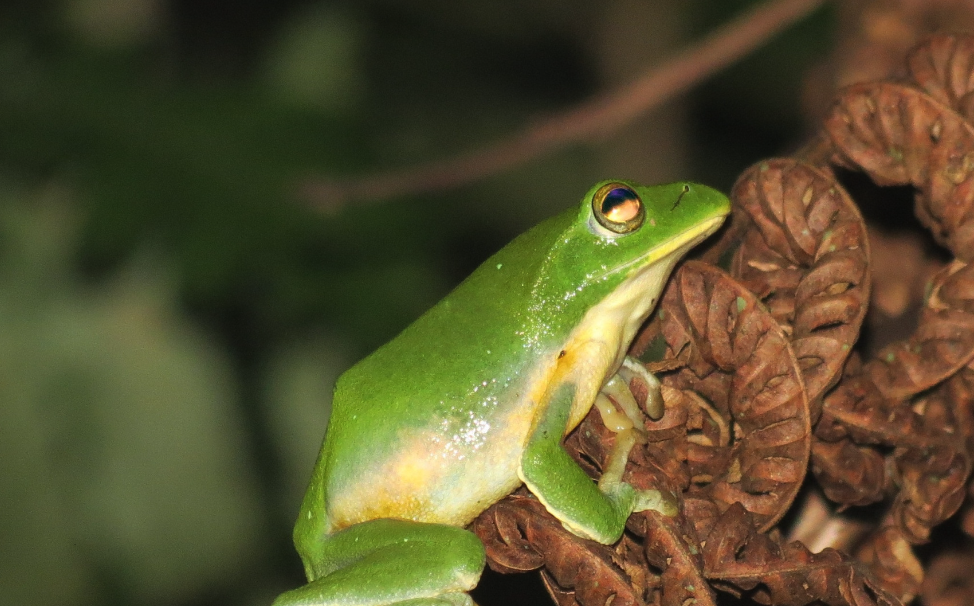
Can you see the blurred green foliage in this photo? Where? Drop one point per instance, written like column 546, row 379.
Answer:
column 172, row 316
column 121, row 446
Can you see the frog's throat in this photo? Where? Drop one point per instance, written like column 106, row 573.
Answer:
column 599, row 343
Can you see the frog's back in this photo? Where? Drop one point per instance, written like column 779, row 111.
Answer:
column 431, row 425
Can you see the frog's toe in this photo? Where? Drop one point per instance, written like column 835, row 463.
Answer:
column 660, row 501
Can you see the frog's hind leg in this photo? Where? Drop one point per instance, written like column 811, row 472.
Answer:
column 385, row 562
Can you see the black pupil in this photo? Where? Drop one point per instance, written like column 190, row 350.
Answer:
column 617, row 197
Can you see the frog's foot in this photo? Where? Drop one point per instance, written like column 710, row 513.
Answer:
column 611, row 482
column 394, row 562
column 662, row 502
column 628, row 433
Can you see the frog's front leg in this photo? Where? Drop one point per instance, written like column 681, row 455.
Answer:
column 561, row 485
column 385, row 562
column 591, row 511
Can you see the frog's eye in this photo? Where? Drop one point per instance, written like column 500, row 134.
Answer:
column 618, row 208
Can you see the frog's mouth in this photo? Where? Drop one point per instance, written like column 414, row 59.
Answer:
column 677, row 246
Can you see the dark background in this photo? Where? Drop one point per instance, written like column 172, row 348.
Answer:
column 172, row 314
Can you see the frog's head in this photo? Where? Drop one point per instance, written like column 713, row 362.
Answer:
column 622, row 227
column 616, row 250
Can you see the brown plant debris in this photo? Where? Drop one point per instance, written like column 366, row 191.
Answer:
column 806, row 256
column 741, row 374
column 520, row 534
column 889, row 555
column 940, row 346
column 742, row 561
column 901, row 136
column 764, row 380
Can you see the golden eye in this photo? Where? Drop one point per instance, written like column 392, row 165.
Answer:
column 617, row 207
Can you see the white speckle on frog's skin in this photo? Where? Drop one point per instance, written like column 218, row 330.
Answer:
column 469, row 437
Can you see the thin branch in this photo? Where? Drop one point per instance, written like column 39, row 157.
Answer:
column 592, row 119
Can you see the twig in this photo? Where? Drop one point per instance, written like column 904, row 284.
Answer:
column 592, row 119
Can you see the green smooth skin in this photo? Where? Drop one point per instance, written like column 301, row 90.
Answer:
column 475, row 398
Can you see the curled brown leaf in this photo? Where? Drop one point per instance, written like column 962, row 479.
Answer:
column 739, row 363
column 849, row 473
column 668, row 544
column 926, row 469
column 942, row 66
column 933, row 476
column 739, row 560
column 942, row 343
column 890, row 557
column 807, row 259
column 899, row 135
column 576, row 571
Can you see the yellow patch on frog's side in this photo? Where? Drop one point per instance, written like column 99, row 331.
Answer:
column 397, row 489
column 429, row 481
column 412, row 472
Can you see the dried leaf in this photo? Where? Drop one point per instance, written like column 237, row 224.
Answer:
column 942, row 66
column 900, row 136
column 669, row 545
column 809, row 265
column 738, row 560
column 942, row 343
column 930, row 464
column 849, row 473
column 746, row 378
column 582, row 572
column 891, row 559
